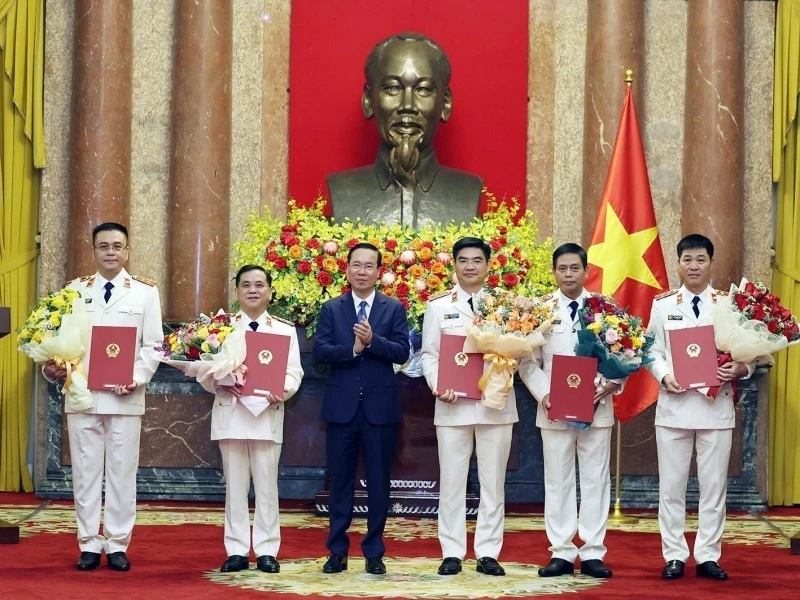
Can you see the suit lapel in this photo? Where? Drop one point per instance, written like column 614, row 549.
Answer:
column 461, row 303
column 708, row 306
column 118, row 293
column 684, row 306
column 348, row 308
column 376, row 312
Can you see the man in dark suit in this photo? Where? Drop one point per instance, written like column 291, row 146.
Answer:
column 360, row 334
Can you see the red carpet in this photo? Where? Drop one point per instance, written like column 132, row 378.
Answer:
column 177, row 550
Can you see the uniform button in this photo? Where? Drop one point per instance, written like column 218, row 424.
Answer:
column 219, row 403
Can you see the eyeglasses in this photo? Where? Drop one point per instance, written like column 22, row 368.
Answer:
column 115, row 247
column 367, row 268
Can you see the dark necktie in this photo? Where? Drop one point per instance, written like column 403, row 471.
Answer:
column 109, row 286
column 472, row 308
column 695, row 307
column 573, row 307
column 362, row 311
column 254, row 325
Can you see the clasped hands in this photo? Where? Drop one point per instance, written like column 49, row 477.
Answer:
column 59, row 373
column 363, row 333
column 726, row 373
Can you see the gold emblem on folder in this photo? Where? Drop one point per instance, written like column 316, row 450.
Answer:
column 462, row 359
column 112, row 351
column 693, row 350
column 573, row 380
column 265, row 357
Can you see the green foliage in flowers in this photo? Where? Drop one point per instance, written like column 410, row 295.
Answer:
column 306, row 255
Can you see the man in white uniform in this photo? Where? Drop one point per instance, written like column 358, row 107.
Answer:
column 561, row 441
column 251, row 444
column 108, row 432
column 687, row 419
column 462, row 422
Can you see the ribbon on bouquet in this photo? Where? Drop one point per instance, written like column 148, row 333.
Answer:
column 723, row 358
column 501, row 365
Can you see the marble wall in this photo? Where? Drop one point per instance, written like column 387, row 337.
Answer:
column 260, row 92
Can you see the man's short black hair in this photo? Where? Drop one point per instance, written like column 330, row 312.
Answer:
column 109, row 226
column 365, row 246
column 695, row 241
column 245, row 268
column 570, row 248
column 472, row 242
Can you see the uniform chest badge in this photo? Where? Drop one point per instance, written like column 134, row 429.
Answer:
column 452, row 316
column 674, row 317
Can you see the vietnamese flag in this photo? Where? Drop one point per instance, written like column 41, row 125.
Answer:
column 625, row 251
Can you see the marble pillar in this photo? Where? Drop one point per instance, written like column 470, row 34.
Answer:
column 712, row 198
column 100, row 136
column 614, row 43
column 200, row 161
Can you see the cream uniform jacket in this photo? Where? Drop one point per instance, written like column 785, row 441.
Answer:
column 448, row 314
column 134, row 302
column 690, row 409
column 561, row 339
column 231, row 420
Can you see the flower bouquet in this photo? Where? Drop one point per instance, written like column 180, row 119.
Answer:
column 506, row 328
column 750, row 327
column 208, row 347
column 58, row 330
column 753, row 325
column 618, row 340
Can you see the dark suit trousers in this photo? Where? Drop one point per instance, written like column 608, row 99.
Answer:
column 344, row 440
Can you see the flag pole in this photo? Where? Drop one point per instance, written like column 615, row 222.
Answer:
column 617, row 517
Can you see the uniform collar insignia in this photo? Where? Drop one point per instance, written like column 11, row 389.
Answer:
column 90, row 282
column 127, row 283
column 679, row 298
column 454, row 296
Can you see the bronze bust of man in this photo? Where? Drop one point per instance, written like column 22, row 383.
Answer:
column 407, row 90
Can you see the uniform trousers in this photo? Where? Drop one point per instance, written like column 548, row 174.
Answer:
column 492, row 446
column 561, row 518
column 674, row 457
column 112, row 441
column 240, row 460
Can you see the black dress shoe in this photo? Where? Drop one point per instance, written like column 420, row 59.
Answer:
column 268, row 564
column 375, row 566
column 117, row 561
column 88, row 561
column 335, row 564
column 234, row 564
column 711, row 570
column 595, row 568
column 556, row 567
column 673, row 570
column 489, row 566
column 450, row 566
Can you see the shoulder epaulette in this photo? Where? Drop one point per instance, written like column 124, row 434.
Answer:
column 547, row 297
column 282, row 320
column 439, row 295
column 722, row 293
column 666, row 294
column 144, row 280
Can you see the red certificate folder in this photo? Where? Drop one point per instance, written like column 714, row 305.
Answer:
column 694, row 357
column 267, row 362
column 458, row 370
column 113, row 352
column 572, row 388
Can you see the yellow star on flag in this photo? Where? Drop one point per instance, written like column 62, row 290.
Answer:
column 621, row 254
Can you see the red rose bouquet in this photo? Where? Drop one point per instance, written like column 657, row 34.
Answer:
column 753, row 324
